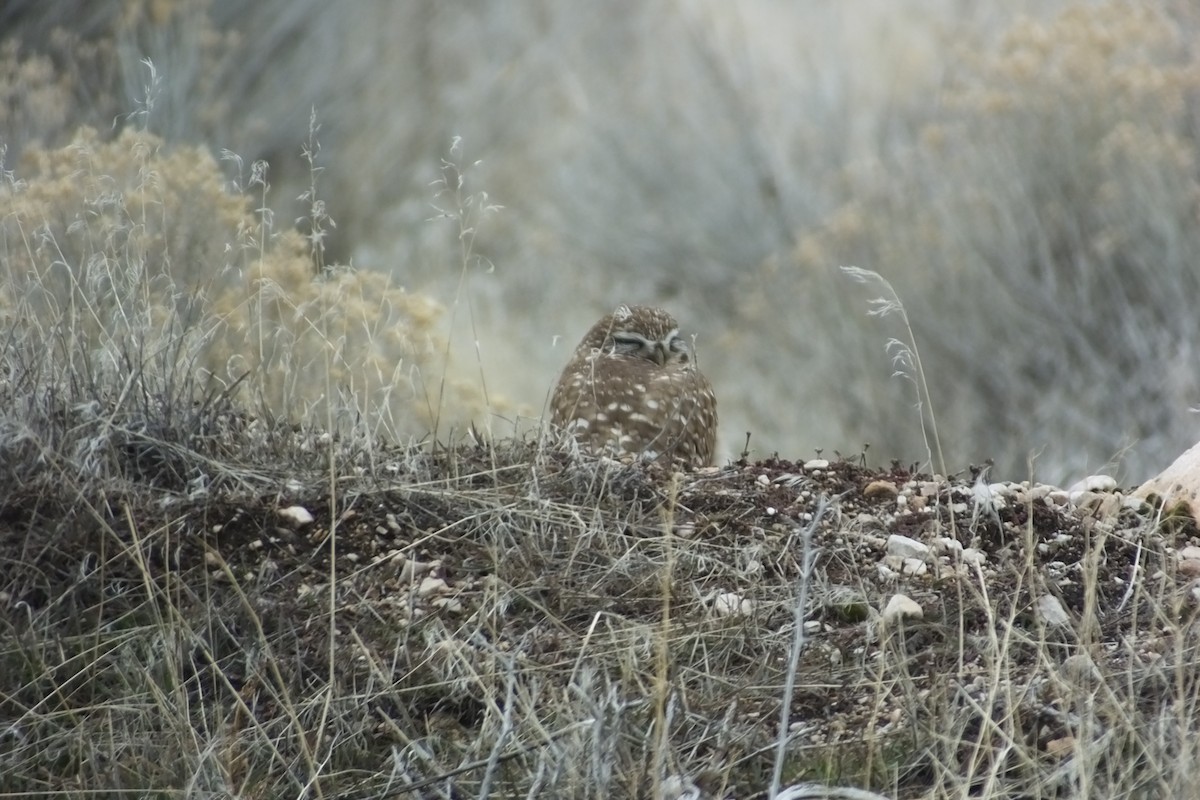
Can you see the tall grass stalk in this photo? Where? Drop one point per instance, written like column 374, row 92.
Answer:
column 906, row 359
column 808, row 558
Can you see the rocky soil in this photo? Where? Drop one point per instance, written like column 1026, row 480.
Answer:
column 481, row 612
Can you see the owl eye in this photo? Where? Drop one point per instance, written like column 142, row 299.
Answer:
column 627, row 343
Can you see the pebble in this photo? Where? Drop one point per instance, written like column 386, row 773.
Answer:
column 1061, row 747
column 431, row 585
column 1094, row 483
column 450, row 604
column 906, row 547
column 298, row 516
column 901, row 606
column 732, row 604
column 1080, row 670
column 1052, row 612
column 881, row 490
column 1039, row 492
column 973, row 555
column 816, row 463
column 1134, row 503
column 944, row 545
column 982, row 493
column 1189, row 561
column 1086, row 499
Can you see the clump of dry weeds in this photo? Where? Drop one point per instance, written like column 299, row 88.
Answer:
column 130, row 264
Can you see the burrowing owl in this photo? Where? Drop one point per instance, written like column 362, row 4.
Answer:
column 632, row 387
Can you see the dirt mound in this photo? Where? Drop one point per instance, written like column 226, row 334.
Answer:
column 502, row 618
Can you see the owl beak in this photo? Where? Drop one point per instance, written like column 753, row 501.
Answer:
column 660, row 353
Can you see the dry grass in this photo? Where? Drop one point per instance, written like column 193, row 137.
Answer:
column 515, row 621
column 127, row 263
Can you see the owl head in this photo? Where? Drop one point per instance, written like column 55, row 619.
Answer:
column 639, row 332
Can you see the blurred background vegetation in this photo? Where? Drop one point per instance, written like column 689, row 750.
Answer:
column 1025, row 177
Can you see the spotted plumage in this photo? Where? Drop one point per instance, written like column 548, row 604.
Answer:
column 632, row 387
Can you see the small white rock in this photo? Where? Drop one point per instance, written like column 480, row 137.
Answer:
column 901, row 606
column 298, row 516
column 732, row 604
column 945, row 545
column 763, row 480
column 1094, row 483
column 450, row 604
column 431, row 585
column 1052, row 611
column 1189, row 553
column 678, row 787
column 1080, row 669
column 1086, row 499
column 973, row 555
column 1134, row 503
column 1038, row 492
column 816, row 463
column 906, row 547
column 812, row 626
column 914, row 567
